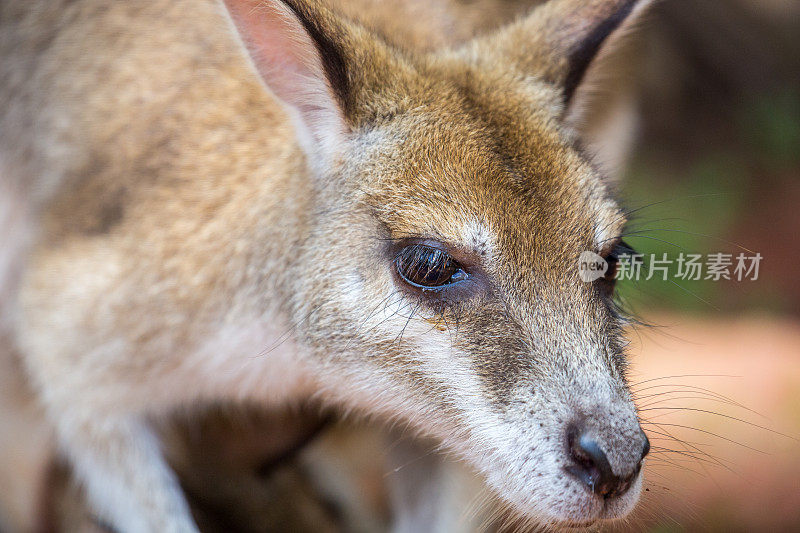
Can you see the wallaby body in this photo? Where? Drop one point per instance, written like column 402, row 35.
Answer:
column 195, row 223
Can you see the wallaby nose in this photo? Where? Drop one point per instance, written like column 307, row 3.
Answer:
column 590, row 463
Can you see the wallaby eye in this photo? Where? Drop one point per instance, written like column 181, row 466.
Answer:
column 428, row 267
column 613, row 260
column 613, row 267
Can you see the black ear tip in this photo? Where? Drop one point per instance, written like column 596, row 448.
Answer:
column 587, row 48
column 333, row 60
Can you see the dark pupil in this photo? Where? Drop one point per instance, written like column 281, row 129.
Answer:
column 426, row 266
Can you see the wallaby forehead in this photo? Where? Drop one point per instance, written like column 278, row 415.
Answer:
column 446, row 175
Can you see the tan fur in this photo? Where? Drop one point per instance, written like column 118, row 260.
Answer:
column 191, row 244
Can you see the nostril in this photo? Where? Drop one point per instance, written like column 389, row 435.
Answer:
column 646, row 447
column 591, row 466
column 590, row 462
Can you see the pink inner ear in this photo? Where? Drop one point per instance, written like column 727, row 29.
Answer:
column 288, row 61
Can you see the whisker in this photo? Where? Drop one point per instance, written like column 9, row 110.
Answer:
column 625, row 235
column 687, row 445
column 628, row 213
column 402, row 331
column 700, row 459
column 385, row 303
column 692, row 428
column 694, row 234
column 675, row 464
column 649, row 405
column 286, row 334
column 688, row 376
column 741, row 420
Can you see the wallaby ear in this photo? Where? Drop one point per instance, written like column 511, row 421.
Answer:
column 559, row 39
column 294, row 49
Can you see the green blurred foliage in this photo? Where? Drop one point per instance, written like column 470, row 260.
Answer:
column 772, row 126
column 692, row 201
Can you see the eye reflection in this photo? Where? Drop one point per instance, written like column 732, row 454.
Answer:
column 426, row 266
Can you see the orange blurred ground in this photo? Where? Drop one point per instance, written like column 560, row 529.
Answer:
column 710, row 483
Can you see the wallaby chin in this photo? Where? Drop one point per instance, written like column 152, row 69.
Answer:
column 264, row 201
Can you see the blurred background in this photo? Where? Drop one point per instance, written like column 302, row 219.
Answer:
column 710, row 93
column 717, row 160
column 719, row 146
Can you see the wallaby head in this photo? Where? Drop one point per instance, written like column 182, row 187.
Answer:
column 418, row 225
column 439, row 279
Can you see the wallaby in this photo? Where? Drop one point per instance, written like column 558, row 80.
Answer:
column 265, row 201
